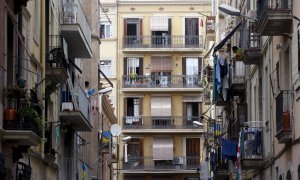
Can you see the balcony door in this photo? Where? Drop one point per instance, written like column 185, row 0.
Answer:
column 133, row 68
column 161, row 68
column 193, row 152
column 133, row 111
column 191, row 68
column 133, row 31
column 160, row 27
column 192, row 32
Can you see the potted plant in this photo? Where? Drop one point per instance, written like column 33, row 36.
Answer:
column 28, row 113
column 133, row 77
column 10, row 93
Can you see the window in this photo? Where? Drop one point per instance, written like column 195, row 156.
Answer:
column 289, row 175
column 133, row 66
column 163, row 149
column 298, row 172
column 105, row 66
column 105, row 31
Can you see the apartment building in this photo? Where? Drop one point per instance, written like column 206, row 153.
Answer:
column 108, row 46
column 52, row 122
column 160, row 88
column 264, row 91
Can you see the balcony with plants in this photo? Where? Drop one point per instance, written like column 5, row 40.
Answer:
column 283, row 117
column 76, row 29
column 22, row 121
column 161, row 81
column 274, row 17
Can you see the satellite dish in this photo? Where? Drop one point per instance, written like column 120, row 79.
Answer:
column 115, row 130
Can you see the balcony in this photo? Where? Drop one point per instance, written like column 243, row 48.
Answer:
column 253, row 52
column 75, row 109
column 221, row 171
column 56, row 63
column 180, row 43
column 238, row 76
column 252, row 156
column 210, row 28
column 181, row 164
column 274, row 17
column 164, row 124
column 283, row 119
column 23, row 132
column 159, row 83
column 76, row 30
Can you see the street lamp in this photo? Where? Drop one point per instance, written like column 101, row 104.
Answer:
column 232, row 11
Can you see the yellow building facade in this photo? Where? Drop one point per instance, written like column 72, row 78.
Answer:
column 160, row 90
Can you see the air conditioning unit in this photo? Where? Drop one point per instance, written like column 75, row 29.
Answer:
column 252, row 14
column 178, row 160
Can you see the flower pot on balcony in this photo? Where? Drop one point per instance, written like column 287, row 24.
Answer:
column 10, row 114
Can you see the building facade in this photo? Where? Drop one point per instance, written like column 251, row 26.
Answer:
column 159, row 88
column 262, row 104
column 51, row 120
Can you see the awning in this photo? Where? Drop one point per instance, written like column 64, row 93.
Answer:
column 229, row 150
column 159, row 23
column 161, row 106
column 228, row 36
column 163, row 148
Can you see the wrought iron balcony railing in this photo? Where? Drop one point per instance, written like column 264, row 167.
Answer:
column 148, row 163
column 279, row 5
column 159, row 122
column 175, row 41
column 153, row 81
column 22, row 125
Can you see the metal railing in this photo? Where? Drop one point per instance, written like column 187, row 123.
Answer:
column 73, row 13
column 251, row 145
column 175, row 41
column 58, row 53
column 275, row 5
column 82, row 101
column 160, row 122
column 154, row 81
column 253, row 37
column 147, row 163
column 238, row 73
column 283, row 107
column 22, row 124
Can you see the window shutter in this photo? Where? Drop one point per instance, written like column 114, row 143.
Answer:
column 141, row 106
column 125, row 66
column 170, row 26
column 141, row 27
column 184, row 109
column 141, row 147
column 200, row 108
column 200, row 67
column 141, row 66
column 125, row 27
column 125, row 106
column 183, row 66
